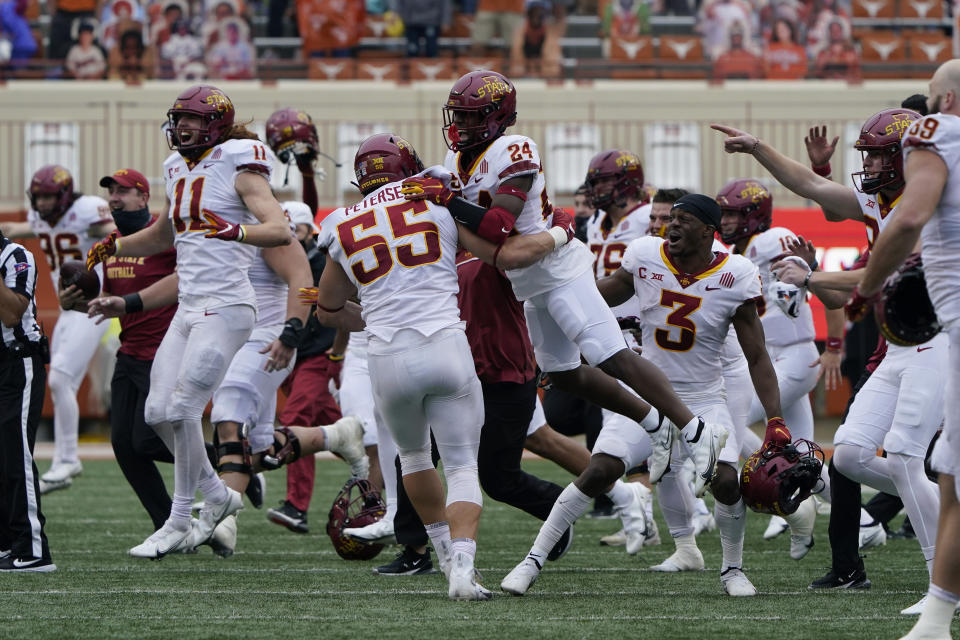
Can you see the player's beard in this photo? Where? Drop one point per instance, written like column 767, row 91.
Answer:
column 935, row 105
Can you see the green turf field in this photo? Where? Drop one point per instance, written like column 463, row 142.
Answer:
column 283, row 585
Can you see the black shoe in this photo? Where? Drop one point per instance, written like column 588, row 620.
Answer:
column 563, row 545
column 14, row 564
column 602, row 508
column 290, row 517
column 905, row 532
column 254, row 490
column 407, row 563
column 856, row 579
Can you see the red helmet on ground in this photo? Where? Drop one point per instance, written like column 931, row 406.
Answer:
column 384, row 158
column 52, row 180
column 882, row 132
column 752, row 201
column 777, row 480
column 357, row 505
column 214, row 109
column 491, row 97
column 291, row 131
column 625, row 168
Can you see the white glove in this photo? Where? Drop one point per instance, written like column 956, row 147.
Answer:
column 788, row 297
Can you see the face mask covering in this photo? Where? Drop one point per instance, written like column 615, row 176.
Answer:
column 129, row 222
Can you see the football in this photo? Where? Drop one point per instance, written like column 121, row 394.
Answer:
column 75, row 272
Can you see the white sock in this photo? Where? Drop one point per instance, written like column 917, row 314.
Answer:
column 331, row 437
column 214, row 489
column 439, row 533
column 66, row 417
column 189, row 457
column 467, row 546
column 621, row 495
column 801, row 524
column 570, row 505
column 676, row 504
column 865, row 518
column 937, row 612
column 732, row 523
column 652, row 421
column 686, row 541
column 690, row 430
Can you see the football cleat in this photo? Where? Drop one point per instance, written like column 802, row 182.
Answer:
column 856, row 579
column 872, row 535
column 290, row 517
column 213, row 514
column 463, row 580
column 407, row 563
column 800, row 546
column 653, row 534
column 917, row 609
column 522, row 577
column 224, row 538
column 380, row 532
column 345, row 438
column 703, row 522
column 634, row 517
column 256, row 489
column 705, row 449
column 736, row 583
column 683, row 559
column 617, row 539
column 662, row 440
column 167, row 539
column 47, row 487
column 776, row 526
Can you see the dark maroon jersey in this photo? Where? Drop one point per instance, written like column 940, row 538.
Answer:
column 496, row 328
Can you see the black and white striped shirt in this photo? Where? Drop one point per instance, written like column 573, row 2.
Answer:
column 19, row 272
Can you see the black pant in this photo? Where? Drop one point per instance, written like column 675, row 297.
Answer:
column 508, row 409
column 572, row 415
column 22, row 383
column 135, row 444
column 844, row 528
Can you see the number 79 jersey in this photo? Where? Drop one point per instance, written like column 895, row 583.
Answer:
column 686, row 316
column 401, row 256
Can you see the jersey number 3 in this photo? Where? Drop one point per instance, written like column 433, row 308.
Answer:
column 678, row 318
column 400, row 228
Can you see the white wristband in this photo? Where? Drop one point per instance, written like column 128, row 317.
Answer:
column 560, row 237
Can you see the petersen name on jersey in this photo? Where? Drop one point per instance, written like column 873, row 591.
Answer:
column 686, row 317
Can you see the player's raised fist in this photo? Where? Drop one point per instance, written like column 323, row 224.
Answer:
column 217, row 227
column 102, row 250
column 427, row 188
column 562, row 219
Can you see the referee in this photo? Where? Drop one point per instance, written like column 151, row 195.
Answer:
column 23, row 354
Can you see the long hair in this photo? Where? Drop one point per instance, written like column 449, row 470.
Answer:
column 239, row 131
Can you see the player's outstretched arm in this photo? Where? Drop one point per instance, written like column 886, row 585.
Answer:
column 148, row 241
column 750, row 335
column 616, row 288
column 16, row 229
column 334, row 308
column 838, row 202
column 273, row 229
column 161, row 293
column 522, row 250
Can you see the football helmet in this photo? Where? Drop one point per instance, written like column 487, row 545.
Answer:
column 904, row 313
column 357, row 505
column 489, row 95
column 625, row 168
column 383, row 158
column 776, row 480
column 882, row 132
column 215, row 111
column 752, row 201
column 291, row 132
column 52, row 180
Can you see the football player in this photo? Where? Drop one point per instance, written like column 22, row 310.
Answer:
column 900, row 407
column 416, row 393
column 688, row 296
column 504, row 192
column 787, row 319
column 67, row 224
column 217, row 181
column 927, row 213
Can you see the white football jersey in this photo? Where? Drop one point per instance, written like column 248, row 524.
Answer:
column 686, row 317
column 510, row 157
column 731, row 357
column 402, row 258
column 271, row 291
column 940, row 133
column 213, row 272
column 69, row 238
column 876, row 213
column 779, row 329
column 608, row 243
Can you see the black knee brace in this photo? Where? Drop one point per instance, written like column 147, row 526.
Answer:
column 241, row 448
column 282, row 452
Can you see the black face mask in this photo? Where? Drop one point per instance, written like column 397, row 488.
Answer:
column 129, row 222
